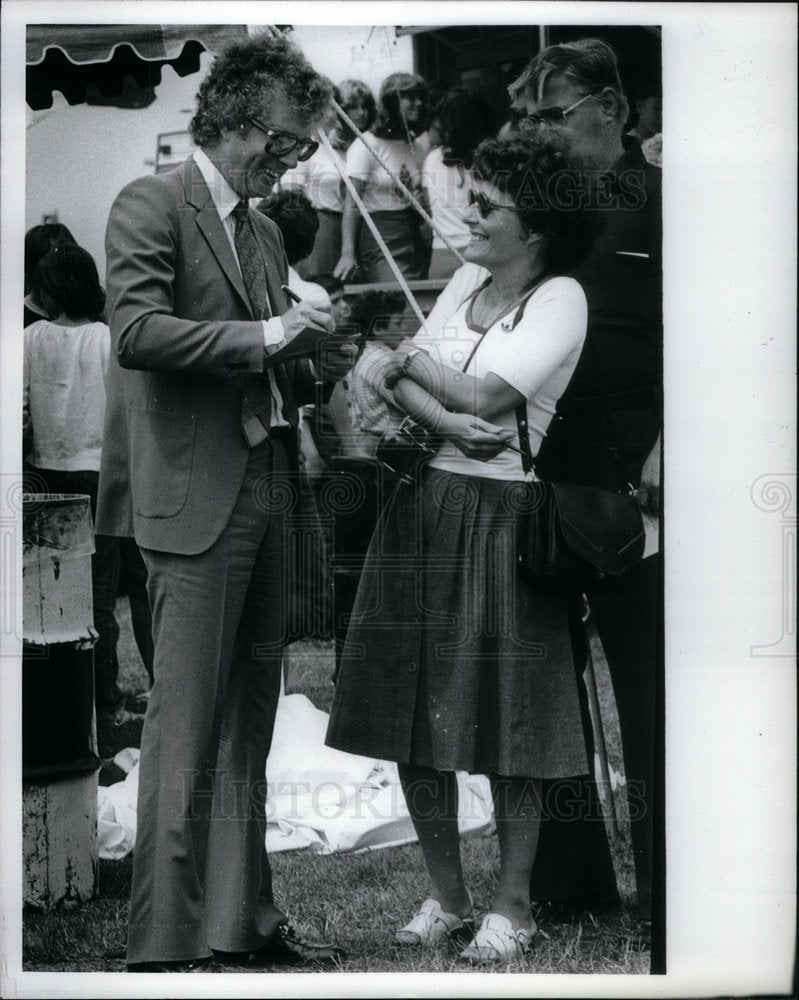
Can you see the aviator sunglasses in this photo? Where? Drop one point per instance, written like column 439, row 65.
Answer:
column 484, row 204
column 281, row 143
column 554, row 116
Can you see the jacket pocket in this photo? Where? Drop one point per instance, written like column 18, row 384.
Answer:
column 161, row 458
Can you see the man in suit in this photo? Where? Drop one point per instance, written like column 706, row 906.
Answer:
column 198, row 465
column 606, row 433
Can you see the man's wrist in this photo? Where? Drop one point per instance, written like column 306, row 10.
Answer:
column 274, row 334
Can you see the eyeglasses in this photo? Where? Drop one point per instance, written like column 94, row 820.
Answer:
column 484, row 204
column 554, row 116
column 280, row 143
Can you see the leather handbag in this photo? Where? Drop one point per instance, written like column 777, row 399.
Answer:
column 571, row 536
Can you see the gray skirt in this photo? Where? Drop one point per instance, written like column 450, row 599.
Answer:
column 452, row 660
column 405, row 235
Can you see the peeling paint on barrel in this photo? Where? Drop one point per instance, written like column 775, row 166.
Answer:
column 60, row 854
column 58, row 542
column 59, row 833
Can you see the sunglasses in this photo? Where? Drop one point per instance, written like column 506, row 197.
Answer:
column 484, row 204
column 281, row 143
column 554, row 116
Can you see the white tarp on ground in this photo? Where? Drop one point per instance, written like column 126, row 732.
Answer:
column 318, row 798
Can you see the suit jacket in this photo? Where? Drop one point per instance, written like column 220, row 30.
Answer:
column 184, row 341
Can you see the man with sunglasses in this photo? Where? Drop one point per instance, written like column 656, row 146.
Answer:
column 607, row 433
column 199, row 461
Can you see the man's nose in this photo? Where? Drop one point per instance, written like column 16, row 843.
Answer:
column 290, row 159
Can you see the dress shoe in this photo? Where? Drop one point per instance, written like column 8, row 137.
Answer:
column 187, row 965
column 284, row 948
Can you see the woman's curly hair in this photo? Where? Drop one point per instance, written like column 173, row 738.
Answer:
column 245, row 77
column 548, row 187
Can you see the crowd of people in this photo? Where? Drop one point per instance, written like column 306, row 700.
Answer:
column 210, row 391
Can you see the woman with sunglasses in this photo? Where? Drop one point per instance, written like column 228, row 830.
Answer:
column 453, row 661
column 398, row 135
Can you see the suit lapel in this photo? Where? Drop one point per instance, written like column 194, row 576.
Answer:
column 209, row 223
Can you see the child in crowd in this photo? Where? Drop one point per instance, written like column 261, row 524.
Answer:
column 379, row 316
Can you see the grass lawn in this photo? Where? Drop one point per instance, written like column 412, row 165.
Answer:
column 356, row 900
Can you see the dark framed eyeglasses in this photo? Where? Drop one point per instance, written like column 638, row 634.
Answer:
column 554, row 116
column 280, row 143
column 484, row 204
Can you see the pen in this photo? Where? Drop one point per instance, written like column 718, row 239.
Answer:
column 295, row 298
column 292, row 295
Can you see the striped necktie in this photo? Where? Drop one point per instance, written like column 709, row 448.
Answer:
column 257, row 399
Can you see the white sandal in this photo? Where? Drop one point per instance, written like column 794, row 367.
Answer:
column 432, row 925
column 498, row 940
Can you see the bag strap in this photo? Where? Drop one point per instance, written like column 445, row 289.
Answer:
column 469, row 298
column 528, row 464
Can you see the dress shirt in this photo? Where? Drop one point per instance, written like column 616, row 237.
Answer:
column 225, row 200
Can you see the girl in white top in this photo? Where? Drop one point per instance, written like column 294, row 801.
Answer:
column 65, row 364
column 319, row 178
column 396, row 136
column 536, row 358
column 453, row 660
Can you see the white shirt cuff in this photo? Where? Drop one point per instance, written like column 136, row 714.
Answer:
column 274, row 334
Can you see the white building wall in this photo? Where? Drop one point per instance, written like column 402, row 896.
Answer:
column 78, row 158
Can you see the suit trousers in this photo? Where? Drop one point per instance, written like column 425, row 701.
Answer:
column 573, row 864
column 201, row 876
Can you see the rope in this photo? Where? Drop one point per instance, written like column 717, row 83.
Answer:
column 408, row 194
column 342, row 169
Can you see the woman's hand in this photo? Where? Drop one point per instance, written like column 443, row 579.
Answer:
column 475, row 437
column 347, row 265
column 393, row 371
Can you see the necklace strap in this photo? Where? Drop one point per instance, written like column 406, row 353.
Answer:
column 521, row 297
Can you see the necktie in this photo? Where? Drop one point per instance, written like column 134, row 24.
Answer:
column 257, row 400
